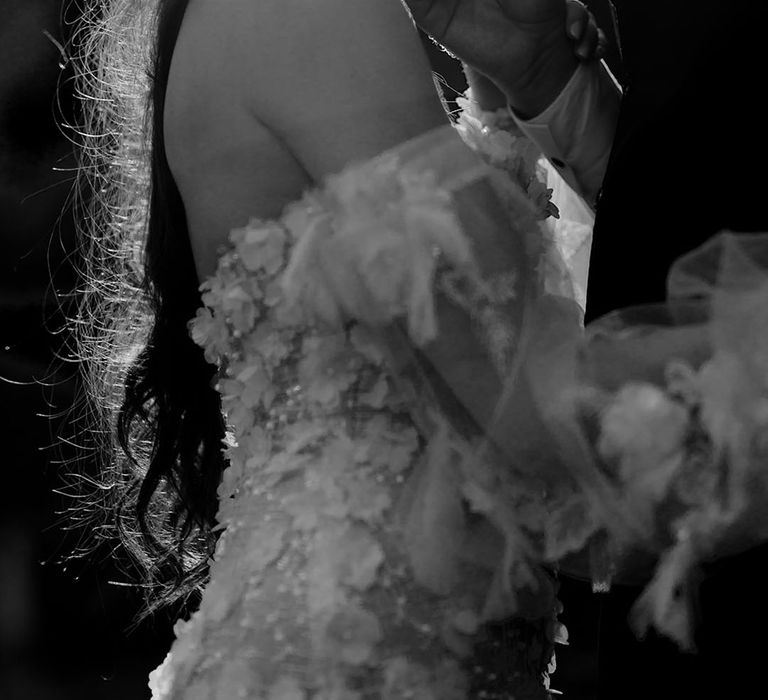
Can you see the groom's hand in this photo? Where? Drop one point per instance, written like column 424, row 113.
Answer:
column 526, row 47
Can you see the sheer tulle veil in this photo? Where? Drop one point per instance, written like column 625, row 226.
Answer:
column 657, row 414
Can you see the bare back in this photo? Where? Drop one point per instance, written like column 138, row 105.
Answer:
column 265, row 98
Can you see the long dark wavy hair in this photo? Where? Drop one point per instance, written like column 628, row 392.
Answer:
column 148, row 395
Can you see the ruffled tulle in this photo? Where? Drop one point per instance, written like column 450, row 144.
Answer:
column 660, row 414
column 368, row 541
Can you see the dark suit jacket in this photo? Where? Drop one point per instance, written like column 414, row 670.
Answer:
column 690, row 158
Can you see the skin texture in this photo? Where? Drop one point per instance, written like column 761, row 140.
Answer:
column 264, row 99
column 267, row 98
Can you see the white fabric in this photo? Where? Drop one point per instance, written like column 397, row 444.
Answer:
column 572, row 231
column 367, row 532
column 576, row 131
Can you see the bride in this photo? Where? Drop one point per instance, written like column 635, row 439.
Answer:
column 370, row 274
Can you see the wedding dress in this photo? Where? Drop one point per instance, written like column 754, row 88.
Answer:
column 374, row 542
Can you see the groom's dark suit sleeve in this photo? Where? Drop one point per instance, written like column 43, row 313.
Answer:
column 689, row 158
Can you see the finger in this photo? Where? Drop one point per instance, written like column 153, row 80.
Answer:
column 586, row 48
column 576, row 19
column 602, row 44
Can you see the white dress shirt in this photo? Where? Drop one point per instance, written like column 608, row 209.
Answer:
column 576, row 131
column 575, row 134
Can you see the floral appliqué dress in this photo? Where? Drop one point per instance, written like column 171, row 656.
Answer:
column 370, row 545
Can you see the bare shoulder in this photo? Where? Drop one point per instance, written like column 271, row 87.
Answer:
column 274, row 36
column 266, row 97
column 325, row 72
column 290, row 24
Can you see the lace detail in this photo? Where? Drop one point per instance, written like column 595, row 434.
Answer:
column 496, row 136
column 365, row 543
